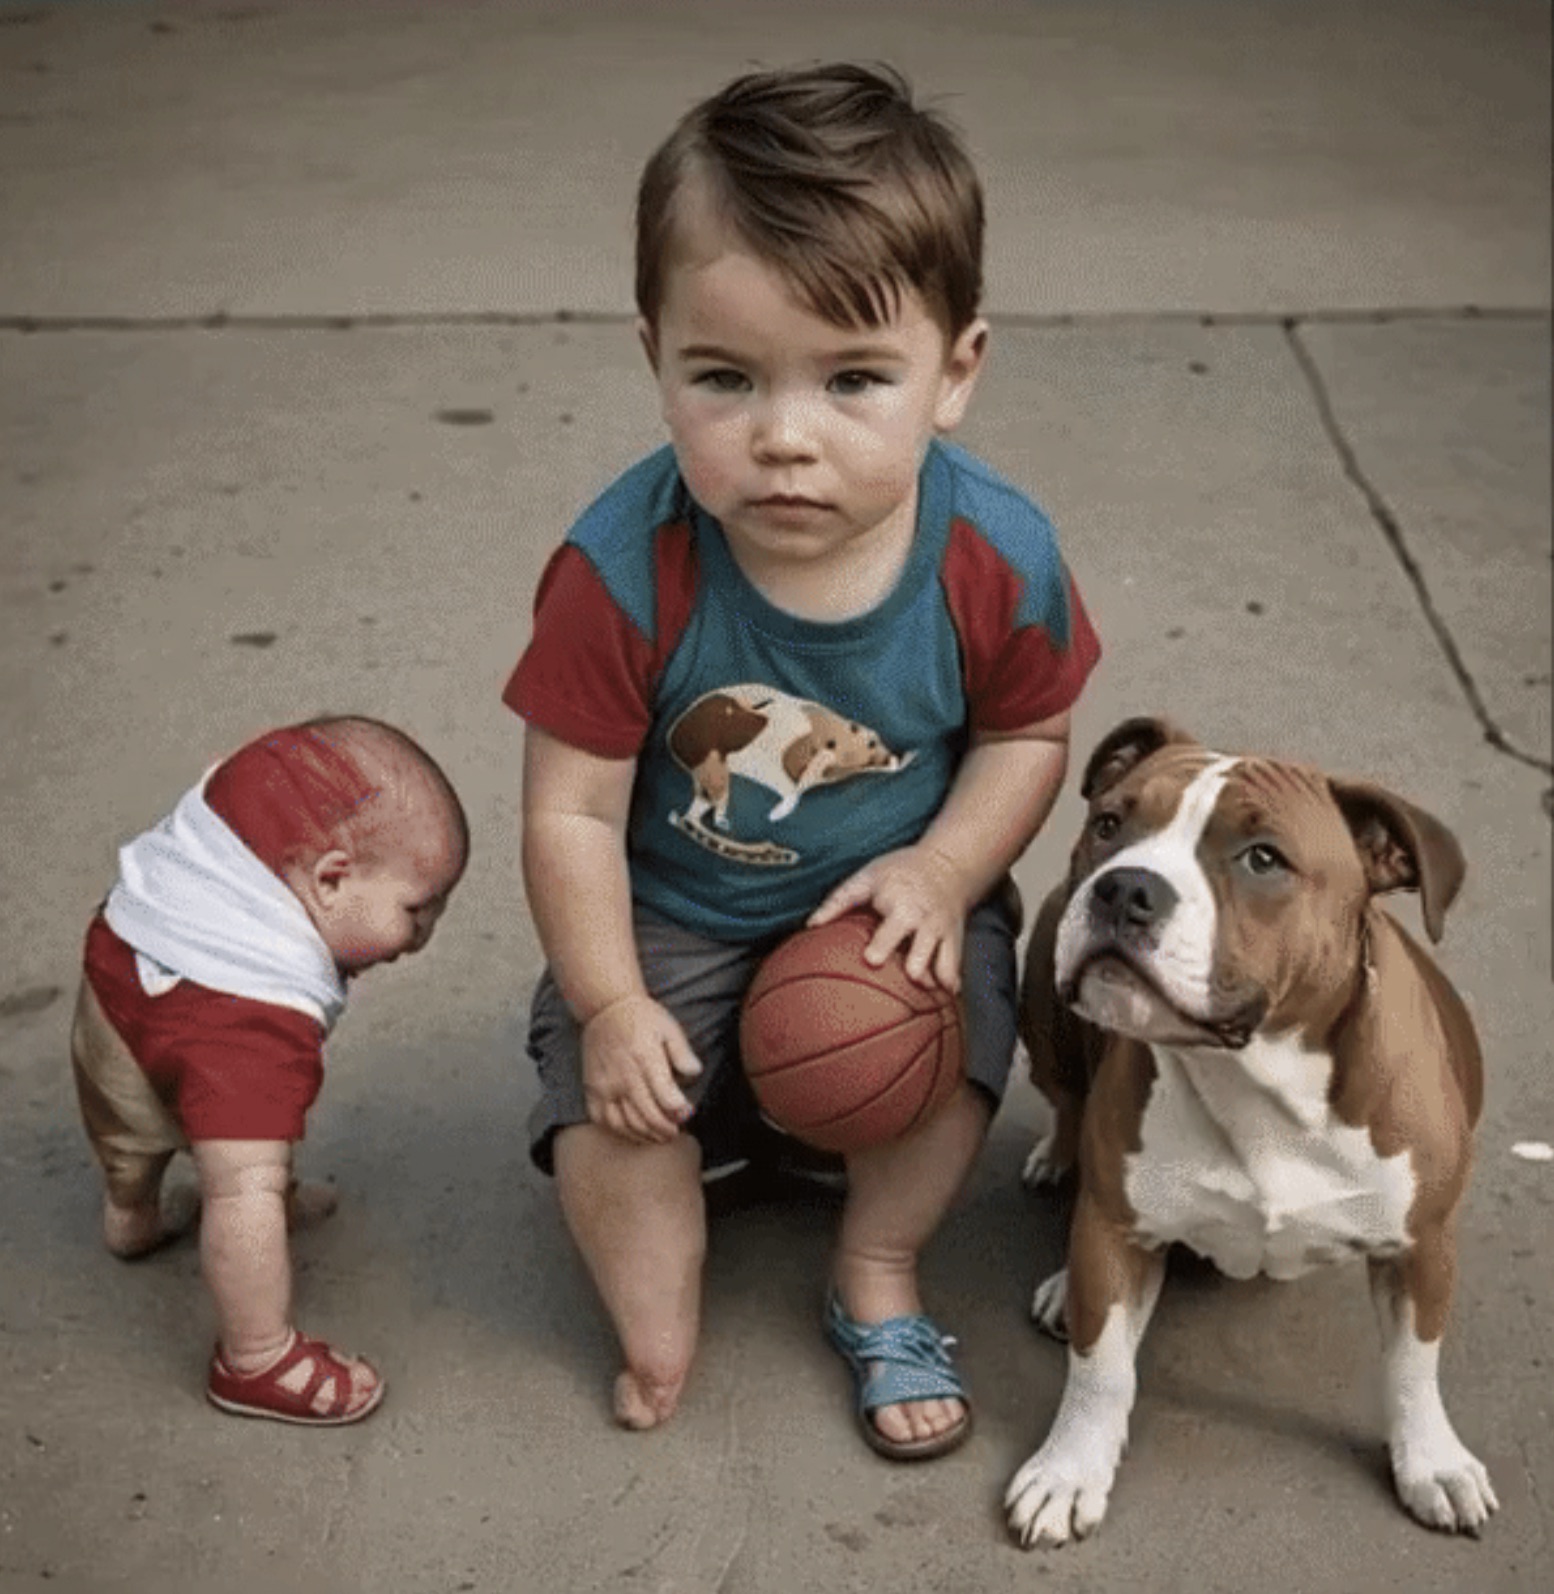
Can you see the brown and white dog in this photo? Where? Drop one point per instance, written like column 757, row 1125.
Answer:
column 1246, row 1055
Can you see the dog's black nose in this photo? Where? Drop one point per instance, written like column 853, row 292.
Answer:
column 1131, row 899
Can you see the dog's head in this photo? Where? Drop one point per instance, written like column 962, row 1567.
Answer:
column 1213, row 896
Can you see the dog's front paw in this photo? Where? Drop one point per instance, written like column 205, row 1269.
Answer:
column 1443, row 1484
column 1044, row 1169
column 1049, row 1305
column 1059, row 1494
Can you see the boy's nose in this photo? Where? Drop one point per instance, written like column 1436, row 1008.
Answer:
column 784, row 430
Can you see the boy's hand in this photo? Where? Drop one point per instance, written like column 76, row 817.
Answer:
column 632, row 1050
column 920, row 897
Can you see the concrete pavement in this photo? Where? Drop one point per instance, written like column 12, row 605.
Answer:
column 1271, row 297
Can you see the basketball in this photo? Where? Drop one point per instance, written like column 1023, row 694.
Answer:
column 841, row 1055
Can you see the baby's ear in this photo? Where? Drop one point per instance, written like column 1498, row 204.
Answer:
column 328, row 870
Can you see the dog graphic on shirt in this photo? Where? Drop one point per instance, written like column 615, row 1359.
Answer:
column 784, row 743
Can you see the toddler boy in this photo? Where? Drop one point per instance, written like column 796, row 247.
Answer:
column 213, row 973
column 805, row 658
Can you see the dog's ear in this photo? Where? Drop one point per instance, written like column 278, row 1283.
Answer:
column 1125, row 748
column 1403, row 848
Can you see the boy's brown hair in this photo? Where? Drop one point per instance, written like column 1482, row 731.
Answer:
column 835, row 178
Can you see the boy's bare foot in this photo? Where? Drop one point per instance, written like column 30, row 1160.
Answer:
column 132, row 1232
column 638, row 1216
column 641, row 1403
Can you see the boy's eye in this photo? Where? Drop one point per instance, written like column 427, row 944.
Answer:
column 722, row 380
column 849, row 383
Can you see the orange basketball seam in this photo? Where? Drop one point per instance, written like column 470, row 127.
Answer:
column 853, row 1040
column 935, row 996
column 901, row 1077
column 786, row 1069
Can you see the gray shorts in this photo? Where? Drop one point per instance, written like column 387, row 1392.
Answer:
column 702, row 983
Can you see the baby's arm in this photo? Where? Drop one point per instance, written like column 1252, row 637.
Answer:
column 1000, row 798
column 575, row 806
column 243, row 1242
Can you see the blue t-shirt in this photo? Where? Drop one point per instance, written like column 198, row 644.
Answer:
column 776, row 755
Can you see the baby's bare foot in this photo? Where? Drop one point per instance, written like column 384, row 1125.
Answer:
column 641, row 1403
column 309, row 1202
column 131, row 1232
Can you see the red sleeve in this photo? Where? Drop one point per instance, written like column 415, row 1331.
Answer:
column 1028, row 649
column 589, row 675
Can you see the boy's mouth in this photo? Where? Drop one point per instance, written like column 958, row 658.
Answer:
column 788, row 501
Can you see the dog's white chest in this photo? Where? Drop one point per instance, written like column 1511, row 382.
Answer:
column 1242, row 1159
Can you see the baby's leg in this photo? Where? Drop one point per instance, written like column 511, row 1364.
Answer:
column 133, row 1220
column 132, row 1135
column 638, row 1217
column 247, row 1264
column 137, row 1219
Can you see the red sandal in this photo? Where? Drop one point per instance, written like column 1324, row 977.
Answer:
column 263, row 1394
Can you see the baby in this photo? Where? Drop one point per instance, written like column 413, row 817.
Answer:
column 213, row 972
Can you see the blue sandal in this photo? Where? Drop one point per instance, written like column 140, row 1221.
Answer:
column 901, row 1359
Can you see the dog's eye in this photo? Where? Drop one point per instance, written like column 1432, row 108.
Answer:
column 1105, row 825
column 1261, row 858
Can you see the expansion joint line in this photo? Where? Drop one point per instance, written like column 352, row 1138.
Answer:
column 415, row 320
column 1392, row 529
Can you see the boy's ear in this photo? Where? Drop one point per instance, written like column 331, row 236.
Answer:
column 649, row 341
column 962, row 367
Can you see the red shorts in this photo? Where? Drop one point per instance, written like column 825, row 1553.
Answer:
column 224, row 1067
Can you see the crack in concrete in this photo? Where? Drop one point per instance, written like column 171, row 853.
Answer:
column 1531, row 1475
column 309, row 321
column 729, row 1469
column 1392, row 529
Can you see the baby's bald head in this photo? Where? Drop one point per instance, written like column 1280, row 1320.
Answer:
column 351, row 783
column 411, row 806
